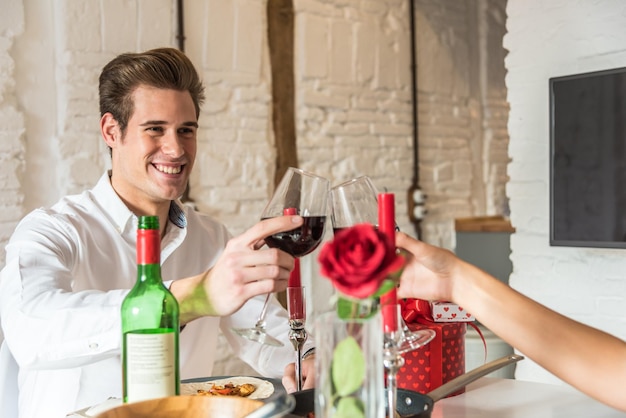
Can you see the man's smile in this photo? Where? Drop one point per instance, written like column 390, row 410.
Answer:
column 167, row 169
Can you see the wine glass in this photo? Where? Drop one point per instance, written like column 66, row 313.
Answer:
column 356, row 201
column 305, row 194
column 353, row 202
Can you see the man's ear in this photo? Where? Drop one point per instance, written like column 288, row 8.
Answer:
column 110, row 129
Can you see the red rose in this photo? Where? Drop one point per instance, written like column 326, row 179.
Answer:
column 358, row 260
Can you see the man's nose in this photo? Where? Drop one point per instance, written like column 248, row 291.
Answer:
column 171, row 145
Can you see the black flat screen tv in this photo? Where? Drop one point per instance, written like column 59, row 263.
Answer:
column 588, row 159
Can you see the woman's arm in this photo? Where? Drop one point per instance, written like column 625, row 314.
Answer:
column 587, row 358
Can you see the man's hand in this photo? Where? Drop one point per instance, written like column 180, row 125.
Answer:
column 244, row 270
column 308, row 375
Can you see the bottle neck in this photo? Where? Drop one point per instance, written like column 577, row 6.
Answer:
column 148, row 253
column 148, row 246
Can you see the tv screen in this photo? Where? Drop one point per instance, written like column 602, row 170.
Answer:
column 588, row 159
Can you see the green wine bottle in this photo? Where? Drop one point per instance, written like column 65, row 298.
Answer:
column 150, row 325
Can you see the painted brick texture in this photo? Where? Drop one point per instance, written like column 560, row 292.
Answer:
column 548, row 39
column 353, row 103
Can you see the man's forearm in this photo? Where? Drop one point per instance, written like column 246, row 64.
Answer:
column 192, row 298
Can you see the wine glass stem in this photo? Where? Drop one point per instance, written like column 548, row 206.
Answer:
column 260, row 323
column 299, row 368
column 298, row 337
column 392, row 387
column 393, row 361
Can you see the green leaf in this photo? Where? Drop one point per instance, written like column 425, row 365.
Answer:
column 346, row 309
column 348, row 367
column 350, row 407
column 385, row 287
column 356, row 308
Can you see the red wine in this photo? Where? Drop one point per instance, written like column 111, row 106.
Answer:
column 302, row 240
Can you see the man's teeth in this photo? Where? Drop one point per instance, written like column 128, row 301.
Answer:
column 168, row 169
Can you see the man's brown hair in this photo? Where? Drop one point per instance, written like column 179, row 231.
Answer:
column 163, row 68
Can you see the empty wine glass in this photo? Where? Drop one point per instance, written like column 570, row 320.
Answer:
column 305, row 194
column 356, row 201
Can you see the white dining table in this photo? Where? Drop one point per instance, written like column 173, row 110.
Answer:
column 491, row 397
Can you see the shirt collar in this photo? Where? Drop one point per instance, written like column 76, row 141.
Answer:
column 121, row 216
column 177, row 214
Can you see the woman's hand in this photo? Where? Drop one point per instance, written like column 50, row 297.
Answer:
column 429, row 271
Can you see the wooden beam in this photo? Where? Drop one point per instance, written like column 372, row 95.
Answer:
column 280, row 23
column 280, row 28
column 495, row 223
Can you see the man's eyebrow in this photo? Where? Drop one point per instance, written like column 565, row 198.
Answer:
column 162, row 122
column 153, row 122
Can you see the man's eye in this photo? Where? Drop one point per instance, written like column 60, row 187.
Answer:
column 186, row 131
column 155, row 129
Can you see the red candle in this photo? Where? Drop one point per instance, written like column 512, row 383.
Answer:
column 387, row 215
column 387, row 225
column 389, row 309
column 296, row 302
column 294, row 277
column 390, row 316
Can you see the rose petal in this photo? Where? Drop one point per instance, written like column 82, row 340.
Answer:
column 358, row 259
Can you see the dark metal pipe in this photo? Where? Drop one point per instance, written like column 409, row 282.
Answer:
column 180, row 30
column 415, row 188
column 414, row 93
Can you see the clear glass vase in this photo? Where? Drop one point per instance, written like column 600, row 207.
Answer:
column 349, row 367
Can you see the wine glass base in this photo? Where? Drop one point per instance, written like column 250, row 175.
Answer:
column 258, row 335
column 412, row 340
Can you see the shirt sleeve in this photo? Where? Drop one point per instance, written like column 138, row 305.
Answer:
column 47, row 324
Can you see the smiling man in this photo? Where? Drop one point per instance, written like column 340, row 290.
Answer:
column 69, row 267
column 153, row 156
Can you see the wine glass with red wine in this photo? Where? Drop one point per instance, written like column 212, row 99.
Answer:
column 298, row 193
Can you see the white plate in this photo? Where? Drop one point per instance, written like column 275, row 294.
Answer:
column 95, row 410
column 264, row 388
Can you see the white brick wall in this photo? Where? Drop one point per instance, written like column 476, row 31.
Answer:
column 353, row 99
column 462, row 112
column 548, row 39
column 12, row 127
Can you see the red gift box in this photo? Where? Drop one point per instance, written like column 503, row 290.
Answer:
column 437, row 362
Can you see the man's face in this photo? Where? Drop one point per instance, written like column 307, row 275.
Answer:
column 151, row 163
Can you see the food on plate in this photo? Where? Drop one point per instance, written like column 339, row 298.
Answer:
column 243, row 386
column 229, row 389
